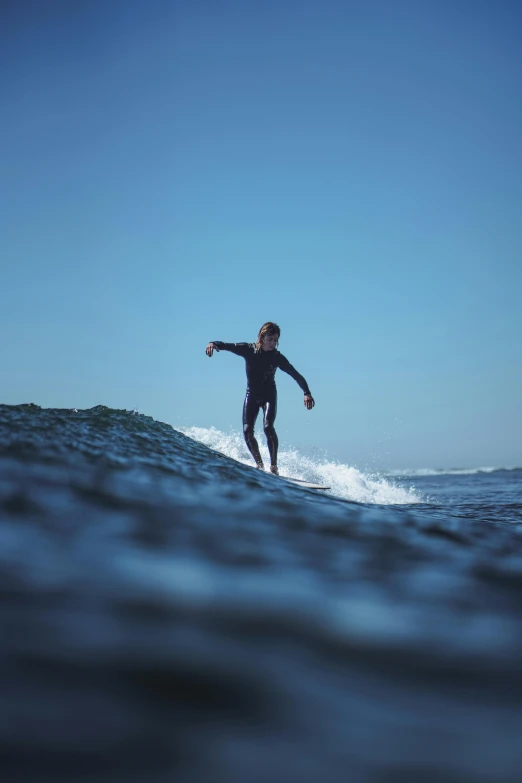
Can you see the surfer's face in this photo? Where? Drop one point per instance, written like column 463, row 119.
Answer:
column 270, row 342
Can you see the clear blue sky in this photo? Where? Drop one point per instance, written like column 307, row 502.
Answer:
column 175, row 172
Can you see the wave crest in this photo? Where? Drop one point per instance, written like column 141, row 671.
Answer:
column 345, row 481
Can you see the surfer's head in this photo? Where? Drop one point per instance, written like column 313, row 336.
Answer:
column 268, row 336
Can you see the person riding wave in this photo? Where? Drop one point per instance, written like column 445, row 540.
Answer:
column 262, row 360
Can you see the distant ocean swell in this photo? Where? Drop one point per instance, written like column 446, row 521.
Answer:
column 405, row 472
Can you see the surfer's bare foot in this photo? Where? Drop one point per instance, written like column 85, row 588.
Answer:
column 274, row 469
column 260, row 466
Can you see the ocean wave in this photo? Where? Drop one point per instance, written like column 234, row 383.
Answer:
column 345, row 481
column 421, row 472
column 175, row 615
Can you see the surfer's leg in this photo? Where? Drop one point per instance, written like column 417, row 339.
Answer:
column 250, row 411
column 270, row 411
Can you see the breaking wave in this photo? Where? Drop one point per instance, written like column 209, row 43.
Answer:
column 345, row 481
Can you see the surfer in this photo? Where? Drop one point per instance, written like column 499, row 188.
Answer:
column 262, row 360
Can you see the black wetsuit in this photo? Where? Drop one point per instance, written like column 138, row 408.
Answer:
column 261, row 392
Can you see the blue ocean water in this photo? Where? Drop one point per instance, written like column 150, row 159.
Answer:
column 168, row 613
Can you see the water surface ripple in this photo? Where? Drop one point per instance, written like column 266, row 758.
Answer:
column 170, row 614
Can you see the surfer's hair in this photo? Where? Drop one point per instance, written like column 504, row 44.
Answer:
column 267, row 330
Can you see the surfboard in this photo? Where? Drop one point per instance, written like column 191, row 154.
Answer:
column 301, row 483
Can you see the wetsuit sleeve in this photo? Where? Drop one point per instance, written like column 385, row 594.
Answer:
column 240, row 349
column 285, row 366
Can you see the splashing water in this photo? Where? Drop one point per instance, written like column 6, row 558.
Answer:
column 344, row 481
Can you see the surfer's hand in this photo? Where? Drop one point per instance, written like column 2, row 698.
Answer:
column 309, row 402
column 209, row 350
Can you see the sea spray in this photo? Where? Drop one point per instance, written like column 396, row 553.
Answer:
column 345, row 481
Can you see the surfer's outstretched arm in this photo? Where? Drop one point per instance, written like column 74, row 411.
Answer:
column 240, row 349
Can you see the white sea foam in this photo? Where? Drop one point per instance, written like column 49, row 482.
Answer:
column 344, row 481
column 442, row 471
